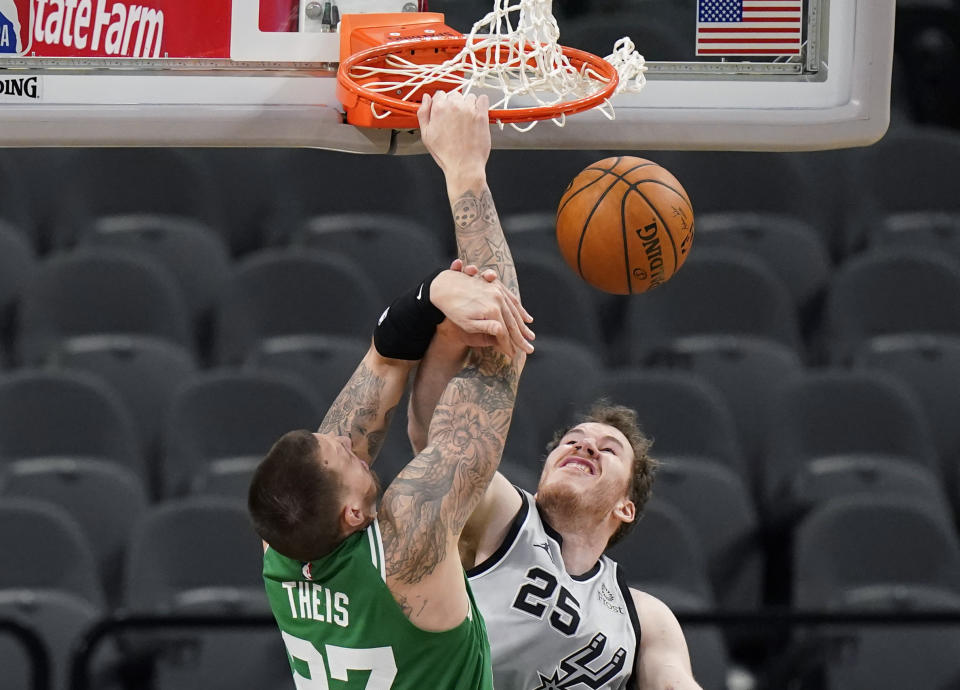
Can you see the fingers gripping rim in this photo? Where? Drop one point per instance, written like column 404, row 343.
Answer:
column 371, row 67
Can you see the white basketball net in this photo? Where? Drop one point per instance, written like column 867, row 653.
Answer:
column 512, row 54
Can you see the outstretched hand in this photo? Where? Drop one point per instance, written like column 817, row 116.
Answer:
column 480, row 310
column 455, row 128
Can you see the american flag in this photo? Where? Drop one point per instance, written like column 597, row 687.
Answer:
column 749, row 27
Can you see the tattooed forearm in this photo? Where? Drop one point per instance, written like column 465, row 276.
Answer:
column 434, row 495
column 480, row 239
column 359, row 412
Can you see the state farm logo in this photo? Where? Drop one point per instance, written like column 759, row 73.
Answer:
column 13, row 89
column 87, row 27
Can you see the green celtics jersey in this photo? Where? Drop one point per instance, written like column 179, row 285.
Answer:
column 344, row 630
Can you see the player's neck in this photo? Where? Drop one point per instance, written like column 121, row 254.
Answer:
column 583, row 541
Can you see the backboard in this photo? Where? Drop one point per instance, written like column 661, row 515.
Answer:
column 262, row 73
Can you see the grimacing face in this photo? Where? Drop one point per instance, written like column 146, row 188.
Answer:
column 589, row 472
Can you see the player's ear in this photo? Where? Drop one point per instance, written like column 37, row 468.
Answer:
column 625, row 510
column 352, row 517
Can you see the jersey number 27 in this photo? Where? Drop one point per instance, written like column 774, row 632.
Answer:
column 341, row 660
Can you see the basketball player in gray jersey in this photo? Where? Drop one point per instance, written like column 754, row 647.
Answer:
column 558, row 611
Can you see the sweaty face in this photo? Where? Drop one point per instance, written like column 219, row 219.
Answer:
column 588, row 472
column 360, row 484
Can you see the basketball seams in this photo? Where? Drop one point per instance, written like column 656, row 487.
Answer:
column 593, row 200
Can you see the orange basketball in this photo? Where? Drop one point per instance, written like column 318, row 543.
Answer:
column 625, row 225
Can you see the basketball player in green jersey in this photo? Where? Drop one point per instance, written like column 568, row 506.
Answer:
column 375, row 597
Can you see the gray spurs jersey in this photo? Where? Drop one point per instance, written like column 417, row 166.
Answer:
column 550, row 630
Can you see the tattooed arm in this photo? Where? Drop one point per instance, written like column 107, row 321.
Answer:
column 426, row 507
column 366, row 404
column 456, row 131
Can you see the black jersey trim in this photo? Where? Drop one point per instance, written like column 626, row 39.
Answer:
column 508, row 540
column 556, row 536
column 633, row 683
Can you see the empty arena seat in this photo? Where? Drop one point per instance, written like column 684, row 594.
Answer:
column 104, row 498
column 872, row 541
column 195, row 555
column 98, row 292
column 193, row 253
column 889, row 292
column 285, row 292
column 17, row 265
column 101, row 182
column 833, row 433
column 231, row 418
column 44, row 548
column 143, row 371
column 46, row 414
column 683, row 414
column 15, row 202
column 715, row 293
column 748, row 372
column 938, row 231
column 392, row 250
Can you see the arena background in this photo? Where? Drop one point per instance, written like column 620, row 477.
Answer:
column 167, row 313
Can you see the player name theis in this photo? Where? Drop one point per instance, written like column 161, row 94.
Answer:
column 312, row 601
column 124, row 30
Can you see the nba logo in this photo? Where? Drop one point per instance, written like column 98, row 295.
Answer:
column 14, row 26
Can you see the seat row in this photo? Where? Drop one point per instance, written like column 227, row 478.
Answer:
column 177, row 283
column 259, row 197
column 199, row 556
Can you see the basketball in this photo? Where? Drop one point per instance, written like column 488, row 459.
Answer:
column 625, row 225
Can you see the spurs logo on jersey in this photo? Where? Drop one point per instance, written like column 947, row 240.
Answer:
column 574, row 670
column 548, row 629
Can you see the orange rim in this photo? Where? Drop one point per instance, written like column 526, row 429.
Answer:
column 607, row 75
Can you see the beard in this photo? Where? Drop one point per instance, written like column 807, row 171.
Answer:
column 566, row 506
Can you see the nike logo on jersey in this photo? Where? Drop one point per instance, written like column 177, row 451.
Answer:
column 546, row 547
column 419, row 292
column 383, row 316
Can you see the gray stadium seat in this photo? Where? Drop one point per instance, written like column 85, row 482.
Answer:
column 100, row 182
column 531, row 181
column 718, row 506
column 193, row 253
column 872, row 541
column 98, row 292
column 284, row 292
column 663, row 550
column 230, row 418
column 320, row 181
column 324, row 362
column 104, row 499
column 17, row 265
column 938, row 231
column 748, row 372
column 910, row 170
column 559, row 381
column 65, row 414
column 44, row 548
column 889, row 292
column 392, row 250
column 838, row 432
column 15, row 201
column 787, row 245
column 561, row 304
column 683, row 414
column 59, row 618
column 195, row 555
column 928, row 366
column 714, row 293
column 144, row 372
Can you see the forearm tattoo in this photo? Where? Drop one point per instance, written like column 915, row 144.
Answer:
column 434, row 495
column 357, row 413
column 480, row 239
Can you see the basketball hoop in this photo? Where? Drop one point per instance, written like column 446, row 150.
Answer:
column 388, row 62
